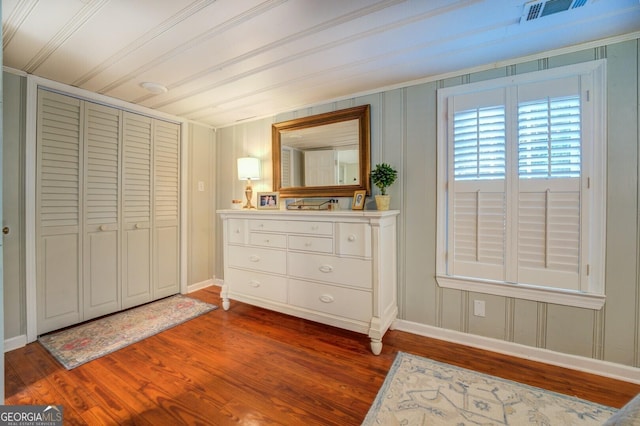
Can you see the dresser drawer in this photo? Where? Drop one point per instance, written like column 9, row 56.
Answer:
column 268, row 225
column 313, row 228
column 339, row 301
column 258, row 259
column 353, row 239
column 256, row 284
column 268, row 240
column 347, row 271
column 237, row 231
column 313, row 244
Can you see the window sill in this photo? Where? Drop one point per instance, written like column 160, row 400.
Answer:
column 523, row 291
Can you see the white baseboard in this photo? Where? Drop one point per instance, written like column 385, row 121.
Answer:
column 199, row 286
column 588, row 365
column 21, row 341
column 15, row 343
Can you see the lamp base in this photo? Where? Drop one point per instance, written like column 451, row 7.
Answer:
column 248, row 193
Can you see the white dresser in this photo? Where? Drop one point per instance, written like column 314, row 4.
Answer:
column 334, row 267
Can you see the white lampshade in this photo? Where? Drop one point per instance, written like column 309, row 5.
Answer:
column 248, row 168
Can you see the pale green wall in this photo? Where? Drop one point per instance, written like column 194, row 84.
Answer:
column 200, row 204
column 403, row 123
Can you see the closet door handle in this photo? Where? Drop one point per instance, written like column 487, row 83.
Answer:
column 6, row 230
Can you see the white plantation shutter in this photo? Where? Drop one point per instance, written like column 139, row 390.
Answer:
column 479, row 143
column 549, row 142
column 549, row 170
column 549, row 234
column 521, row 169
column 478, row 237
column 477, row 181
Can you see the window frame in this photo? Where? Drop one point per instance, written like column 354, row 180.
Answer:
column 591, row 295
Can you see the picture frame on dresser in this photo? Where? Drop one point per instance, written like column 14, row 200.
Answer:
column 268, row 201
column 358, row 200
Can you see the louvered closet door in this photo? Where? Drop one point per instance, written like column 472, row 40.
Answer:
column 166, row 145
column 136, row 210
column 58, row 211
column 101, row 214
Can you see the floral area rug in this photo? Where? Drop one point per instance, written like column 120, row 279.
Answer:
column 88, row 341
column 419, row 391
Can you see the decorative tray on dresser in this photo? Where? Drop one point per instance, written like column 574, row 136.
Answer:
column 334, row 267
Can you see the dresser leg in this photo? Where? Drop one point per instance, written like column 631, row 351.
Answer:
column 226, row 303
column 376, row 346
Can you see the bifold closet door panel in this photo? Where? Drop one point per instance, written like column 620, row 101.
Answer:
column 166, row 145
column 136, row 210
column 59, row 198
column 102, row 211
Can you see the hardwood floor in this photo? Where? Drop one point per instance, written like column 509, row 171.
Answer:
column 251, row 366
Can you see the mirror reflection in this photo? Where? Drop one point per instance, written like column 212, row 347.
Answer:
column 323, row 155
column 320, row 156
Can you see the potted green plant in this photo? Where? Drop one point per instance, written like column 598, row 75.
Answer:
column 383, row 176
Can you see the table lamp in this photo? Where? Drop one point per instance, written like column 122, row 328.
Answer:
column 248, row 168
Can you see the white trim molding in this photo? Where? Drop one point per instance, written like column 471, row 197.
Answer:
column 574, row 362
column 201, row 285
column 526, row 292
column 15, row 343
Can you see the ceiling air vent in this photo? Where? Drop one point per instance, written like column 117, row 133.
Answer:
column 540, row 8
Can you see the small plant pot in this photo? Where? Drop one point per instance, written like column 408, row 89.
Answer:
column 383, row 201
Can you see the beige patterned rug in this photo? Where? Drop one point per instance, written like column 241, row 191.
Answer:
column 419, row 391
column 88, row 341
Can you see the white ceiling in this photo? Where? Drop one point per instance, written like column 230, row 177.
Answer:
column 227, row 61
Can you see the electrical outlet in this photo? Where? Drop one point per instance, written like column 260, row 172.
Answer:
column 200, row 186
column 478, row 308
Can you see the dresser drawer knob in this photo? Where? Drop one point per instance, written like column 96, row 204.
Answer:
column 351, row 237
column 254, row 258
column 326, row 268
column 254, row 283
column 326, row 298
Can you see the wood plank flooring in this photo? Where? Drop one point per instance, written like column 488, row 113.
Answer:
column 251, row 366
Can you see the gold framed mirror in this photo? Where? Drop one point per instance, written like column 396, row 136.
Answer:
column 323, row 155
